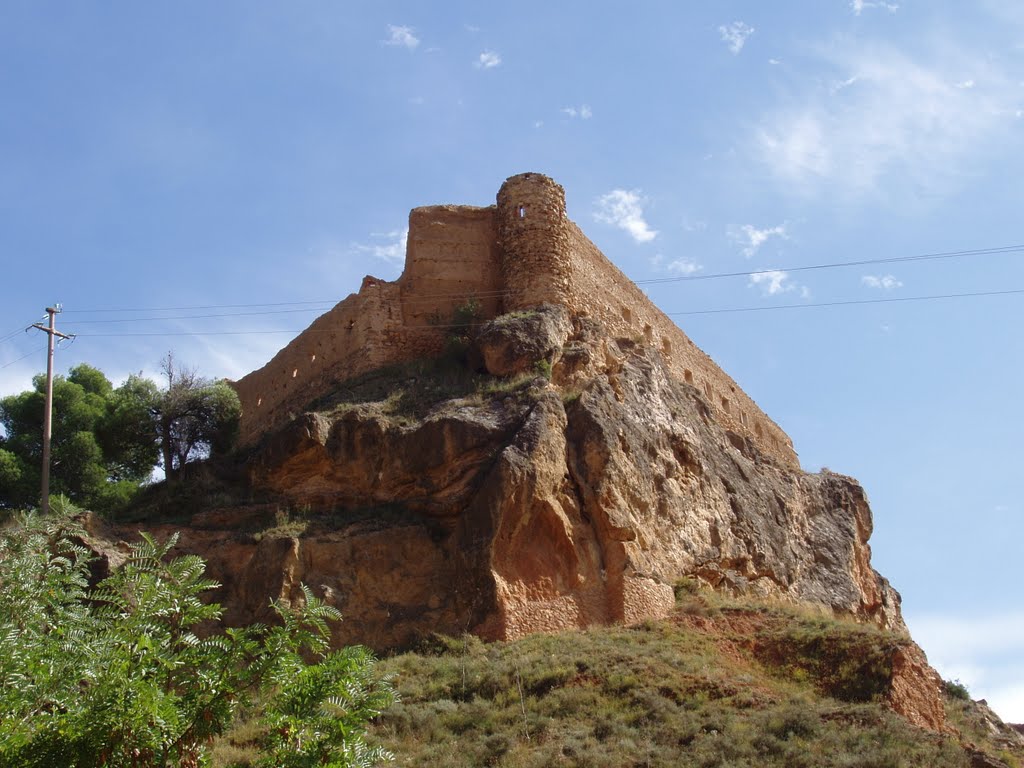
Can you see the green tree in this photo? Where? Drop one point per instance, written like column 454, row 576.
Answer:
column 117, row 676
column 103, row 444
column 195, row 417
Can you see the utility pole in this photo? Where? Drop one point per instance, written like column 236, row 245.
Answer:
column 51, row 331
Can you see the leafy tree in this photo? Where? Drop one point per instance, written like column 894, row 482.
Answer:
column 117, row 676
column 92, row 443
column 195, row 417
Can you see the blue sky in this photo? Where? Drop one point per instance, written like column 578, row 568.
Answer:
column 181, row 155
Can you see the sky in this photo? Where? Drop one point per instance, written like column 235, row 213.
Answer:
column 208, row 178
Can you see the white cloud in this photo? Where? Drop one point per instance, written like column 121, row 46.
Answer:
column 964, row 84
column 858, row 6
column 583, row 112
column 683, row 267
column 487, row 60
column 772, row 282
column 404, row 37
column 752, row 238
column 882, row 282
column 906, row 120
column 984, row 652
column 735, row 35
column 774, row 62
column 624, row 209
column 392, row 250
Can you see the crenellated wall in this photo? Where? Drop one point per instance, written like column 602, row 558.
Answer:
column 518, row 254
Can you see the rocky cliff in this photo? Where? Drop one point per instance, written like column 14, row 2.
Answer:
column 576, row 488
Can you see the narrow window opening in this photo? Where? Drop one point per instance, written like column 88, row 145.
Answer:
column 522, row 211
column 758, row 431
column 688, row 375
column 707, row 389
column 312, row 358
column 725, row 404
column 295, row 373
column 259, row 401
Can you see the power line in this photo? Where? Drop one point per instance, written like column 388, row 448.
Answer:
column 723, row 310
column 835, row 265
column 16, row 331
column 196, row 317
column 851, row 302
column 29, row 354
column 1006, row 249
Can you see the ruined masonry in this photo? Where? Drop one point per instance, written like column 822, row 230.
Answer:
column 517, row 254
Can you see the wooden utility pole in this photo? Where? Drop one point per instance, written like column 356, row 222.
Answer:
column 51, row 332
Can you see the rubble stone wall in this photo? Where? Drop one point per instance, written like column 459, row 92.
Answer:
column 521, row 253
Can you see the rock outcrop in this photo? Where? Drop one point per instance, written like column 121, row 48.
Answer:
column 536, row 507
column 567, row 469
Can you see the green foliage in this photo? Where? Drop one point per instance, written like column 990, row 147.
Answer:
column 848, row 661
column 118, row 676
column 543, row 368
column 954, row 689
column 461, row 330
column 195, row 417
column 467, row 314
column 94, row 441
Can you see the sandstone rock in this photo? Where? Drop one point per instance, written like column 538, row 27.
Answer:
column 541, row 509
column 516, row 342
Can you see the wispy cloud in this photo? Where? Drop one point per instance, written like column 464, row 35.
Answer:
column 583, row 112
column 882, row 282
column 404, row 37
column 681, row 266
column 909, row 119
column 487, row 60
column 752, row 238
column 735, row 35
column 859, row 6
column 624, row 209
column 772, row 282
column 391, row 247
column 984, row 652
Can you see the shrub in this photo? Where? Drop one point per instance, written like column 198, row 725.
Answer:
column 954, row 689
column 117, row 676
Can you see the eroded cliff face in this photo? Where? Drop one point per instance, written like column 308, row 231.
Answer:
column 432, row 501
column 536, row 506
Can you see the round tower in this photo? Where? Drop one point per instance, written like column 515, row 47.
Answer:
column 533, row 238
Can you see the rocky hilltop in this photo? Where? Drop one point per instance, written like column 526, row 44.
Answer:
column 550, row 453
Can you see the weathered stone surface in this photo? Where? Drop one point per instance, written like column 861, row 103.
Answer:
column 543, row 508
column 516, row 255
column 516, row 342
column 540, row 510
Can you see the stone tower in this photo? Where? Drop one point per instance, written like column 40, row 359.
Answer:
column 533, row 239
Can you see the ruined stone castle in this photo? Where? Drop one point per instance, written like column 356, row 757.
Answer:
column 520, row 253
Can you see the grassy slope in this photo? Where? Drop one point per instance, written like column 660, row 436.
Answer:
column 720, row 683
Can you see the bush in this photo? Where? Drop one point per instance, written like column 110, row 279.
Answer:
column 954, row 689
column 117, row 676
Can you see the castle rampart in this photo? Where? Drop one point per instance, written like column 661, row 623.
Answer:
column 533, row 237
column 518, row 254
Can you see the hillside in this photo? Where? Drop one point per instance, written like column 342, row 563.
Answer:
column 720, row 682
